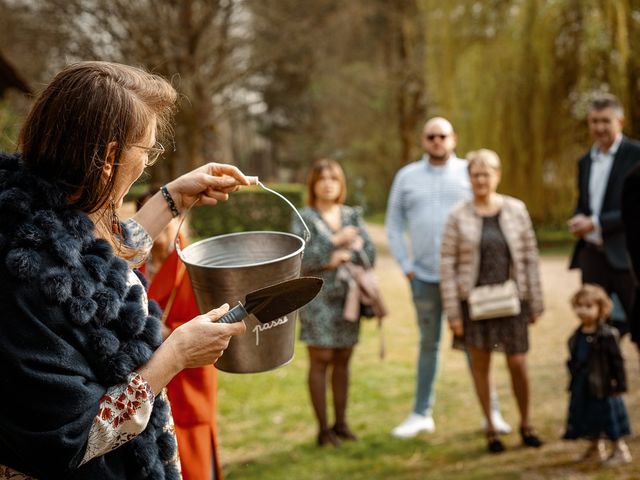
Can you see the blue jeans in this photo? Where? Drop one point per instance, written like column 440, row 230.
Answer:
column 428, row 305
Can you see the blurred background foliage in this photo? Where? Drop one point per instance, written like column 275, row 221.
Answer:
column 252, row 209
column 271, row 85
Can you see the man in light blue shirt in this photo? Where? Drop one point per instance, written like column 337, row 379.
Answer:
column 422, row 194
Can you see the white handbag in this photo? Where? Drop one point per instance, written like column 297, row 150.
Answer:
column 494, row 301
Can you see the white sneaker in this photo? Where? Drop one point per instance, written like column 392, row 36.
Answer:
column 499, row 424
column 413, row 425
column 596, row 452
column 619, row 456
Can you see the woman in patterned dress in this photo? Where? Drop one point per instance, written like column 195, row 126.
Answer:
column 338, row 237
column 488, row 240
column 82, row 362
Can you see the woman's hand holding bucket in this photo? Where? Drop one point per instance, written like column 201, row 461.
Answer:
column 203, row 340
column 198, row 342
column 208, row 185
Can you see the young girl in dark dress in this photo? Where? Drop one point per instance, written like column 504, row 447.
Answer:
column 596, row 408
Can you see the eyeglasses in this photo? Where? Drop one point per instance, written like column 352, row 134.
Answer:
column 153, row 153
column 431, row 137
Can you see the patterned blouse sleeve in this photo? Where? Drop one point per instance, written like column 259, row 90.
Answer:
column 136, row 237
column 367, row 256
column 123, row 414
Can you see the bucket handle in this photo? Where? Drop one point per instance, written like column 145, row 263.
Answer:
column 176, row 241
column 307, row 233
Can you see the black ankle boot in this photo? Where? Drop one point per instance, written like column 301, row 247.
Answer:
column 494, row 444
column 343, row 431
column 529, row 437
column 328, row 437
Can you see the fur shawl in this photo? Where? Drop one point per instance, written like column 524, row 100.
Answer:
column 70, row 327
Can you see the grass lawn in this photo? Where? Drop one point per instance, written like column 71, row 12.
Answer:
column 267, row 429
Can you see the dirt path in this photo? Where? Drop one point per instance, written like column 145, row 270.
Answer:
column 546, row 360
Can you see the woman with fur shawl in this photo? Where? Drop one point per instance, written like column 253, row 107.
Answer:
column 82, row 362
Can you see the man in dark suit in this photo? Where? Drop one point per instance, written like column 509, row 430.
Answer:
column 631, row 221
column 601, row 251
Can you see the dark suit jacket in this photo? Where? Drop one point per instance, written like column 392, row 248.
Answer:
column 627, row 157
column 631, row 221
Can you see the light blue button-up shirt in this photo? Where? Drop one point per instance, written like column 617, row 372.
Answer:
column 419, row 202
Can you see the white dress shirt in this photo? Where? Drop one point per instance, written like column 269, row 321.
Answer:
column 601, row 164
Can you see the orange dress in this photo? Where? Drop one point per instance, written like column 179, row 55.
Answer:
column 193, row 391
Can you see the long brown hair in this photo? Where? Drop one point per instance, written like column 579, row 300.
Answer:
column 85, row 107
column 317, row 168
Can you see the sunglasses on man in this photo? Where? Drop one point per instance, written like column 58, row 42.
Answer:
column 432, row 136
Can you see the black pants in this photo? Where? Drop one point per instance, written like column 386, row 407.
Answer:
column 596, row 269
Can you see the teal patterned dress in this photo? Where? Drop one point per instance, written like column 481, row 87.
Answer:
column 322, row 324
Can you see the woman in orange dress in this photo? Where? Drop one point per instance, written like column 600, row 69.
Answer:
column 193, row 391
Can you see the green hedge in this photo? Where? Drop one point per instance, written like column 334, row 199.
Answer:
column 140, row 187
column 249, row 209
column 554, row 239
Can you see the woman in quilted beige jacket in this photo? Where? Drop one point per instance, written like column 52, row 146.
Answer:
column 489, row 240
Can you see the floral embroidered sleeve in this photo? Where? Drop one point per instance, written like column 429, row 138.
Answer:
column 123, row 414
column 135, row 236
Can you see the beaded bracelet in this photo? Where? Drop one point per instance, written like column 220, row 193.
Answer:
column 172, row 205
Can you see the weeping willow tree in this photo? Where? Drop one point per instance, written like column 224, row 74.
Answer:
column 516, row 76
column 356, row 80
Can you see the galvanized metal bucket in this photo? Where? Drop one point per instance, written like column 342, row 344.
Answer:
column 224, row 268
